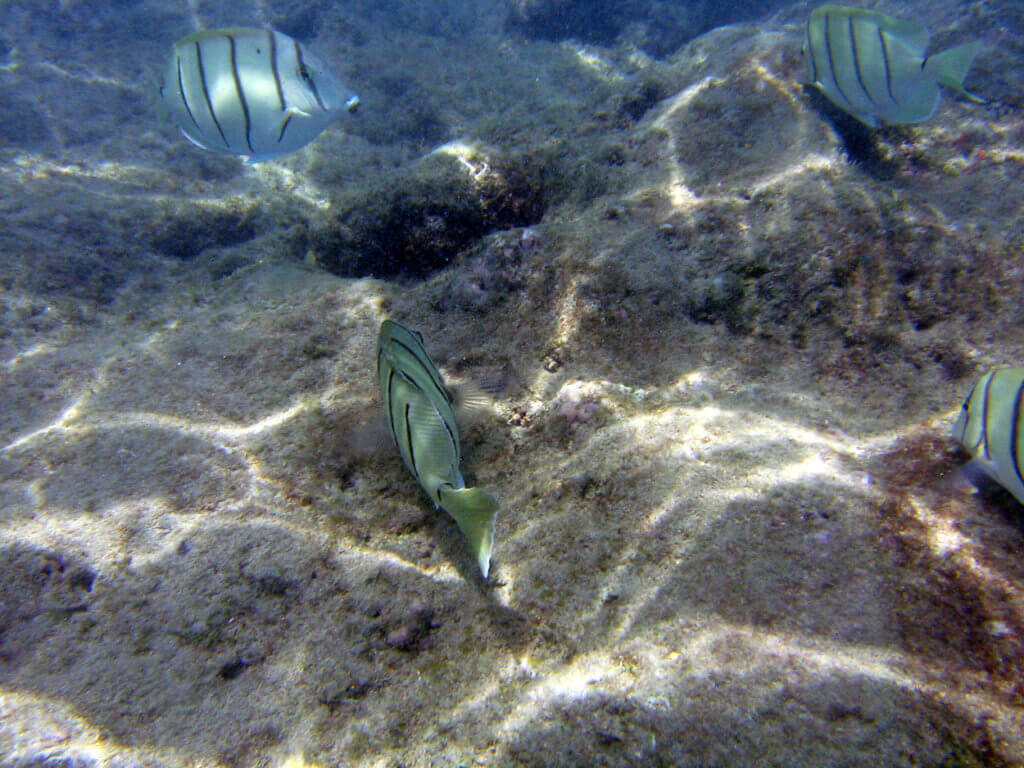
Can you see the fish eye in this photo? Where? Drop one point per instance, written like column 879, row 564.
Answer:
column 305, row 74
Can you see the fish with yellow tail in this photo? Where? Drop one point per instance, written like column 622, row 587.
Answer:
column 420, row 414
column 991, row 427
column 874, row 66
column 256, row 93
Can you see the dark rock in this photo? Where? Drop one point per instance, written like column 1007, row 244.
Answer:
column 190, row 229
column 231, row 669
column 21, row 124
column 416, row 225
column 656, row 26
column 297, row 18
column 489, row 273
column 82, row 578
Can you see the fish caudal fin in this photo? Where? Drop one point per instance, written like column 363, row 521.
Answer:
column 950, row 67
column 474, row 511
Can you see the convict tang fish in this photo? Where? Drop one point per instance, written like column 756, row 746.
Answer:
column 256, row 93
column 991, row 427
column 874, row 66
column 421, row 418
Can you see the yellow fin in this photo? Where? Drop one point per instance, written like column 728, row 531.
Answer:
column 950, row 67
column 474, row 510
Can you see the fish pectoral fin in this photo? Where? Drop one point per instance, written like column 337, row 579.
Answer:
column 288, row 114
column 474, row 510
column 472, row 402
column 197, row 142
column 913, row 35
column 950, row 67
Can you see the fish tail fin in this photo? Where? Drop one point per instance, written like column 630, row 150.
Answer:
column 474, row 510
column 950, row 67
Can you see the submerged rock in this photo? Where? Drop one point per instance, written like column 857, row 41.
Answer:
column 419, row 221
column 658, row 27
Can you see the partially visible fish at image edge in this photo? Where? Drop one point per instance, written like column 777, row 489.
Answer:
column 991, row 428
column 873, row 65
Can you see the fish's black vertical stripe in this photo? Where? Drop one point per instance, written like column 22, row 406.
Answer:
column 184, row 98
column 307, row 76
column 277, row 74
column 448, row 428
column 389, row 396
column 445, row 486
column 284, row 127
column 241, row 94
column 966, row 414
column 452, row 439
column 818, row 66
column 1014, row 436
column 832, row 63
column 983, row 440
column 888, row 67
column 423, row 361
column 206, row 94
column 856, row 61
column 427, row 369
column 809, row 47
column 408, row 438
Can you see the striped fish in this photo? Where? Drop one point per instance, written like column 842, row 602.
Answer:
column 991, row 427
column 420, row 415
column 250, row 92
column 873, row 66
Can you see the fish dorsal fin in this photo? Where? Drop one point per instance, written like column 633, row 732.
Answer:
column 195, row 141
column 202, row 35
column 913, row 35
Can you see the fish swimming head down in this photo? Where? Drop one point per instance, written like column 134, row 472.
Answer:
column 256, row 93
column 874, row 67
column 421, row 418
column 991, row 427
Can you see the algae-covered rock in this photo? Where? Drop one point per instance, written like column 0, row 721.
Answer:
column 420, row 220
column 655, row 26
